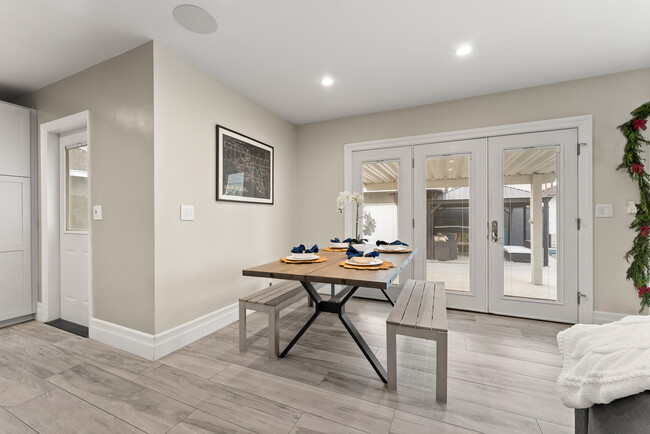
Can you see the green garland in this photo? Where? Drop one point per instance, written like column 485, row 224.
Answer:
column 639, row 255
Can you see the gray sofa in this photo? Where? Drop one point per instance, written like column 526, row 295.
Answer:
column 627, row 415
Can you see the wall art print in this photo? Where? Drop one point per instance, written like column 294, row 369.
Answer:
column 244, row 168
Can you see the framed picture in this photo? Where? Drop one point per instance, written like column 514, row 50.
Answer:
column 244, row 168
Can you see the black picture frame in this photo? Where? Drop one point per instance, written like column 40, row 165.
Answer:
column 245, row 168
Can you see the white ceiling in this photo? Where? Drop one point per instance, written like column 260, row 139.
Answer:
column 382, row 54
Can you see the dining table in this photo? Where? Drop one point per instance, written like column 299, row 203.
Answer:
column 332, row 271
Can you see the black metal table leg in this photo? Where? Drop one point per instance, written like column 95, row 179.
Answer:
column 336, row 304
column 313, row 294
column 301, row 332
column 379, row 369
column 387, row 297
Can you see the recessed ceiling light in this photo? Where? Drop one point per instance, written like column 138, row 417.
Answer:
column 450, row 169
column 327, row 81
column 464, row 50
column 195, row 19
column 451, row 161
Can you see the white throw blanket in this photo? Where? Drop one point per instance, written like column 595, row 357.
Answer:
column 604, row 362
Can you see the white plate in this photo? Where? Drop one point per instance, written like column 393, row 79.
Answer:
column 339, row 245
column 302, row 257
column 397, row 248
column 373, row 263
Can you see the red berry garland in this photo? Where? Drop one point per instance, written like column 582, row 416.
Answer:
column 639, row 255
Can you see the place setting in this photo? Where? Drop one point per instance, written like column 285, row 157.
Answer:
column 338, row 246
column 302, row 255
column 396, row 246
column 364, row 260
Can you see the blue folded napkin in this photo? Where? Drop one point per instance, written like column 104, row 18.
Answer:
column 301, row 249
column 394, row 243
column 334, row 240
column 354, row 252
column 347, row 240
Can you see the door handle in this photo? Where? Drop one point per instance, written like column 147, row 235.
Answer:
column 495, row 231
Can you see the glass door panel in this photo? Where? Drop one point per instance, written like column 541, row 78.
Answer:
column 76, row 188
column 447, row 220
column 530, row 186
column 533, row 209
column 384, row 177
column 450, row 200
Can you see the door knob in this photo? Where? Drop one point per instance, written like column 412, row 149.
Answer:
column 495, row 231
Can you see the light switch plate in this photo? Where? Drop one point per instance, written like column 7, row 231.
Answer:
column 187, row 212
column 604, row 210
column 97, row 213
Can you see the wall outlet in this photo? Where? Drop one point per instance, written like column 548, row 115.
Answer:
column 269, row 282
column 187, row 212
column 604, row 210
column 98, row 213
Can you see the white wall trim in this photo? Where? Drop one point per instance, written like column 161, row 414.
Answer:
column 40, row 313
column 601, row 317
column 153, row 347
column 584, row 125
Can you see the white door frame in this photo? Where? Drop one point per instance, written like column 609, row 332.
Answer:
column 585, row 181
column 50, row 306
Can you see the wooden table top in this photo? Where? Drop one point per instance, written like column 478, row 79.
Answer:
column 331, row 272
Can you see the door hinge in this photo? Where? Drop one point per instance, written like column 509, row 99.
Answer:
column 580, row 295
column 580, row 145
column 578, row 221
column 413, row 223
column 413, row 163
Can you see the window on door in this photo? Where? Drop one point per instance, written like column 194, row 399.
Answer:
column 447, row 221
column 530, row 242
column 380, row 198
column 76, row 188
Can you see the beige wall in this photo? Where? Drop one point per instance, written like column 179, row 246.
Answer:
column 119, row 95
column 608, row 98
column 198, row 264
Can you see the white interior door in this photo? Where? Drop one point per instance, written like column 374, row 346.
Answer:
column 74, row 245
column 384, row 176
column 533, row 212
column 450, row 205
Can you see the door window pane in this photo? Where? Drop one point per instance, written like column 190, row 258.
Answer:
column 530, row 247
column 380, row 200
column 448, row 199
column 76, row 179
column 380, row 187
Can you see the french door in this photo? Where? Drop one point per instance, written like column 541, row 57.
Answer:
column 495, row 219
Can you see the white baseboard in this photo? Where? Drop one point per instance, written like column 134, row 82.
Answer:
column 153, row 347
column 40, row 313
column 601, row 317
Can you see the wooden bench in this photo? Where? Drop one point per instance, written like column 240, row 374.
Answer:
column 421, row 312
column 271, row 300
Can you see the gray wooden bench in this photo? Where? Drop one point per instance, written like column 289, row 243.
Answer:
column 421, row 312
column 271, row 300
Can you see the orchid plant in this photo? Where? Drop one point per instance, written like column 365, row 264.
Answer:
column 344, row 198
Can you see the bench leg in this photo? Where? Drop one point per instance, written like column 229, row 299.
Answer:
column 391, row 355
column 274, row 333
column 441, row 367
column 242, row 327
column 310, row 302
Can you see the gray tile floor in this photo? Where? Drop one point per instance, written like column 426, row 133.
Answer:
column 502, row 375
